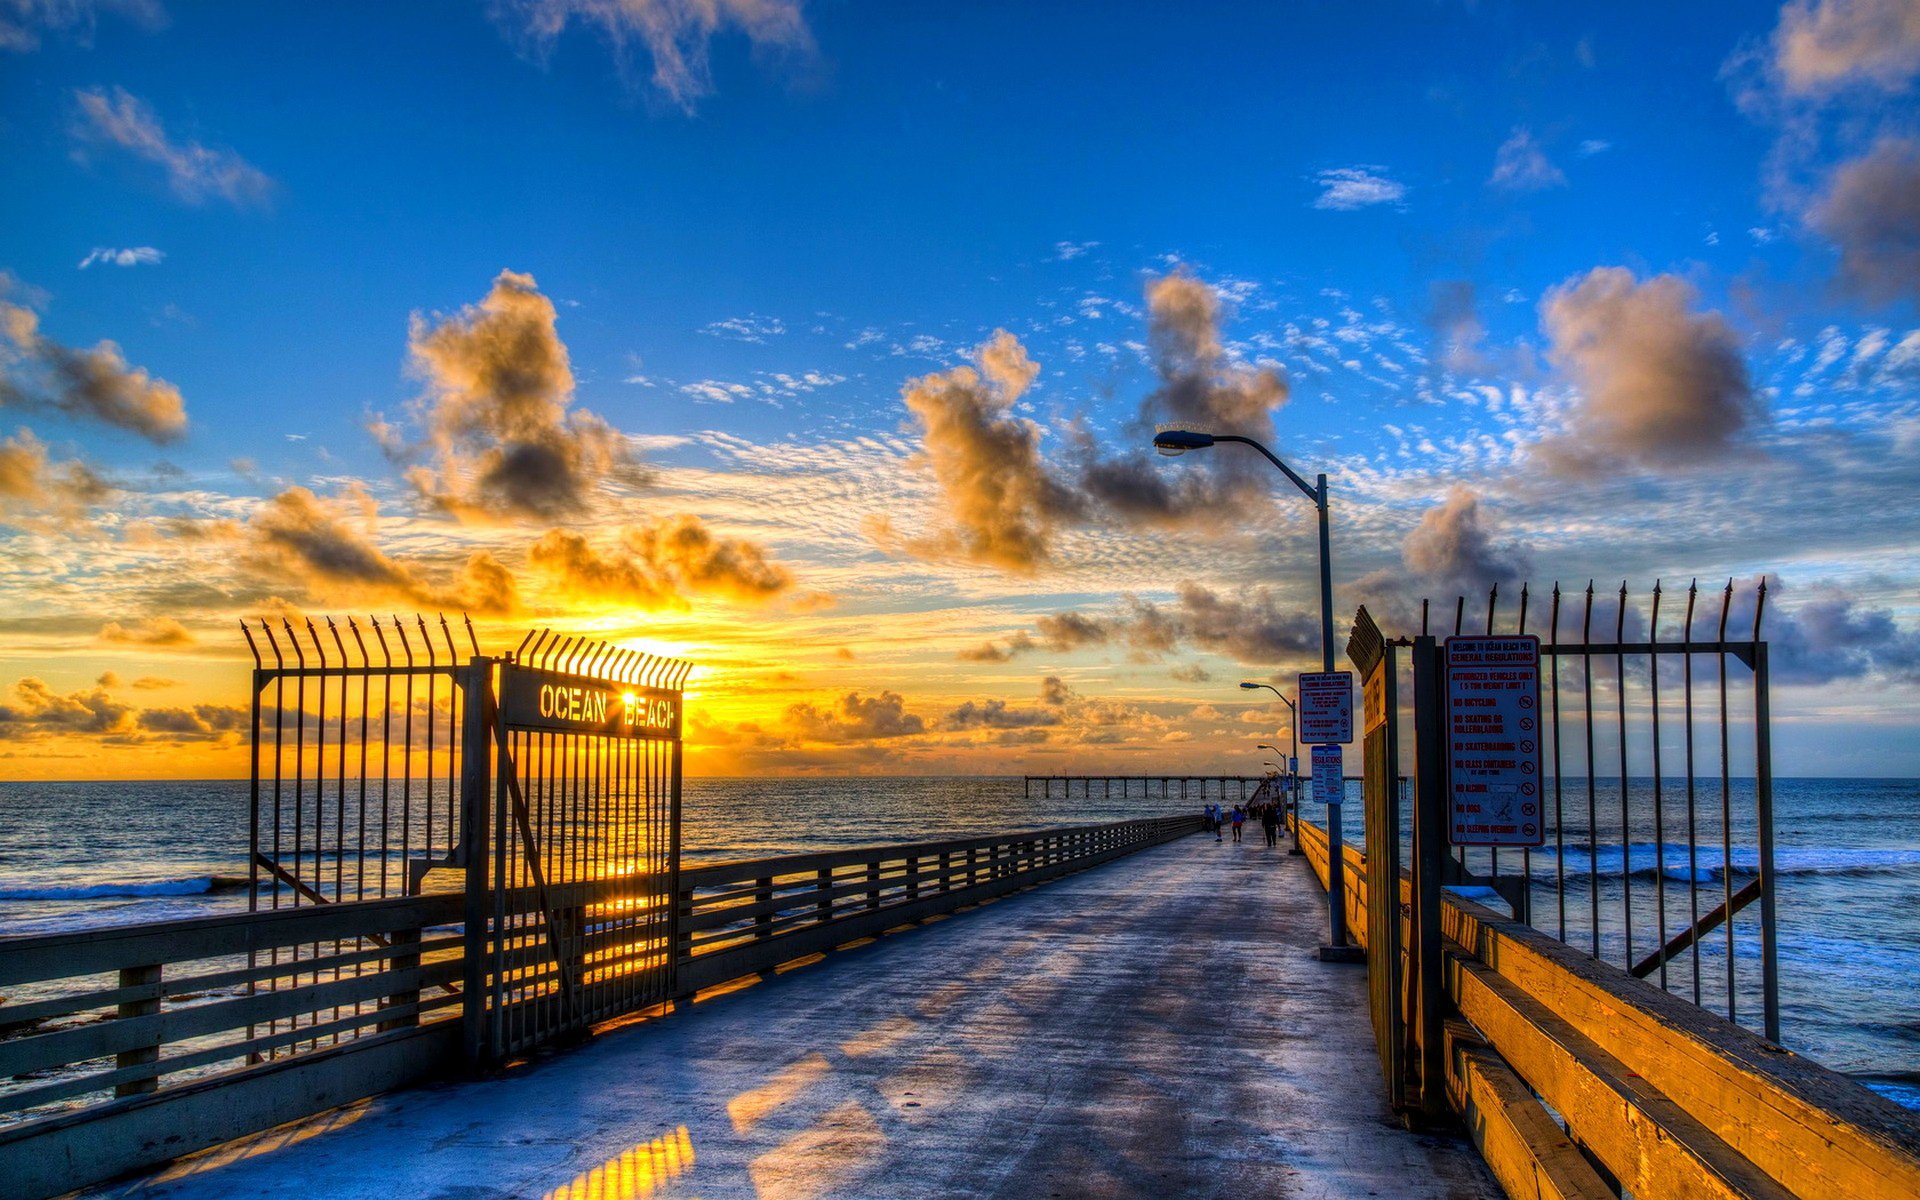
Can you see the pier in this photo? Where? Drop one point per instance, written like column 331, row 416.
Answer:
column 1170, row 787
column 1153, row 1027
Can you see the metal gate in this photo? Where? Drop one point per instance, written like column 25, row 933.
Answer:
column 1657, row 796
column 543, row 784
column 585, row 841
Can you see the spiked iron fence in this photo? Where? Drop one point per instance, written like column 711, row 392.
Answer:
column 1657, row 789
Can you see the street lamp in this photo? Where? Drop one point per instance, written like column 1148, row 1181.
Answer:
column 1174, row 442
column 1293, row 772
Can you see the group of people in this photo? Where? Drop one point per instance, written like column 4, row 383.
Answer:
column 1263, row 808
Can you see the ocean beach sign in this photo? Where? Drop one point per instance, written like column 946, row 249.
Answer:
column 562, row 703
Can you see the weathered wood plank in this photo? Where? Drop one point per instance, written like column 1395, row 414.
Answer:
column 1812, row 1129
column 1524, row 1148
column 1649, row 1143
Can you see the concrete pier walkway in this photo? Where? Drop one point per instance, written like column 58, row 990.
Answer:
column 1156, row 1027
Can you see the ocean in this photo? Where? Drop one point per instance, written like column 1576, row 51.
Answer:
column 81, row 855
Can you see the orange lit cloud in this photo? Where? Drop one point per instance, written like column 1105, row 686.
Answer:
column 503, row 437
column 659, row 565
column 96, row 384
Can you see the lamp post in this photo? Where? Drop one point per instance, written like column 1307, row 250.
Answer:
column 1173, row 442
column 1293, row 758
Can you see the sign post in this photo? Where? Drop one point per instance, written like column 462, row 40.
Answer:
column 1493, row 741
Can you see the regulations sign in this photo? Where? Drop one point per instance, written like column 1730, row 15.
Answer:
column 1493, row 741
column 1329, row 775
column 1326, row 707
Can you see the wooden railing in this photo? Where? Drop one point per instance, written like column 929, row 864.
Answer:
column 127, row 1046
column 1654, row 1096
column 738, row 918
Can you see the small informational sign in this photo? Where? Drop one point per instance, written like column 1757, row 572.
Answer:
column 1493, row 741
column 1326, row 707
column 1329, row 775
column 1374, row 694
column 551, row 700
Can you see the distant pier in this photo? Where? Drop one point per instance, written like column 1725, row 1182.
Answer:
column 1209, row 787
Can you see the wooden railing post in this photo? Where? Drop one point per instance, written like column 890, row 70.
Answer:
column 823, row 886
column 139, row 977
column 763, row 896
column 402, row 941
column 913, row 877
column 873, row 883
column 946, row 862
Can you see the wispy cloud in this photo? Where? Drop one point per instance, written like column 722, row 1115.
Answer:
column 24, row 22
column 132, row 256
column 675, row 34
column 195, row 172
column 752, row 328
column 1520, row 165
column 1345, row 188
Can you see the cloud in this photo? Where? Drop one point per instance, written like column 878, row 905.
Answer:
column 1054, row 691
column 196, row 173
column 676, row 34
column 1827, row 44
column 132, row 256
column 1070, row 630
column 325, row 548
column 1190, row 673
column 1068, row 251
column 1871, row 211
column 659, row 564
column 1661, row 385
column 496, row 412
column 1521, row 166
column 41, row 373
column 162, row 633
column 196, row 723
column 22, row 22
column 997, row 714
column 1452, row 551
column 1347, row 188
column 854, row 718
column 752, row 328
column 1834, row 636
column 37, row 711
column 32, row 486
column 1252, row 626
column 1002, row 501
column 1203, row 387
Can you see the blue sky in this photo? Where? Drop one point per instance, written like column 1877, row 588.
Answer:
column 748, row 263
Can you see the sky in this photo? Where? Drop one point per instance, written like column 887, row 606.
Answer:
column 822, row 344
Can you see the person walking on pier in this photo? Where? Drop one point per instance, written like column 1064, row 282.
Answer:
column 1270, row 821
column 1213, row 820
column 1239, row 819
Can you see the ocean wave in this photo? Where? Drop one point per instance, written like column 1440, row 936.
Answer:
column 1647, row 860
column 195, row 885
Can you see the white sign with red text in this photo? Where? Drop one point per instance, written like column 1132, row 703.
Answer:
column 1329, row 775
column 1326, row 707
column 1493, row 741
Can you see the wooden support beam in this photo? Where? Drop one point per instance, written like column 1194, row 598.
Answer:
column 1687, row 937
